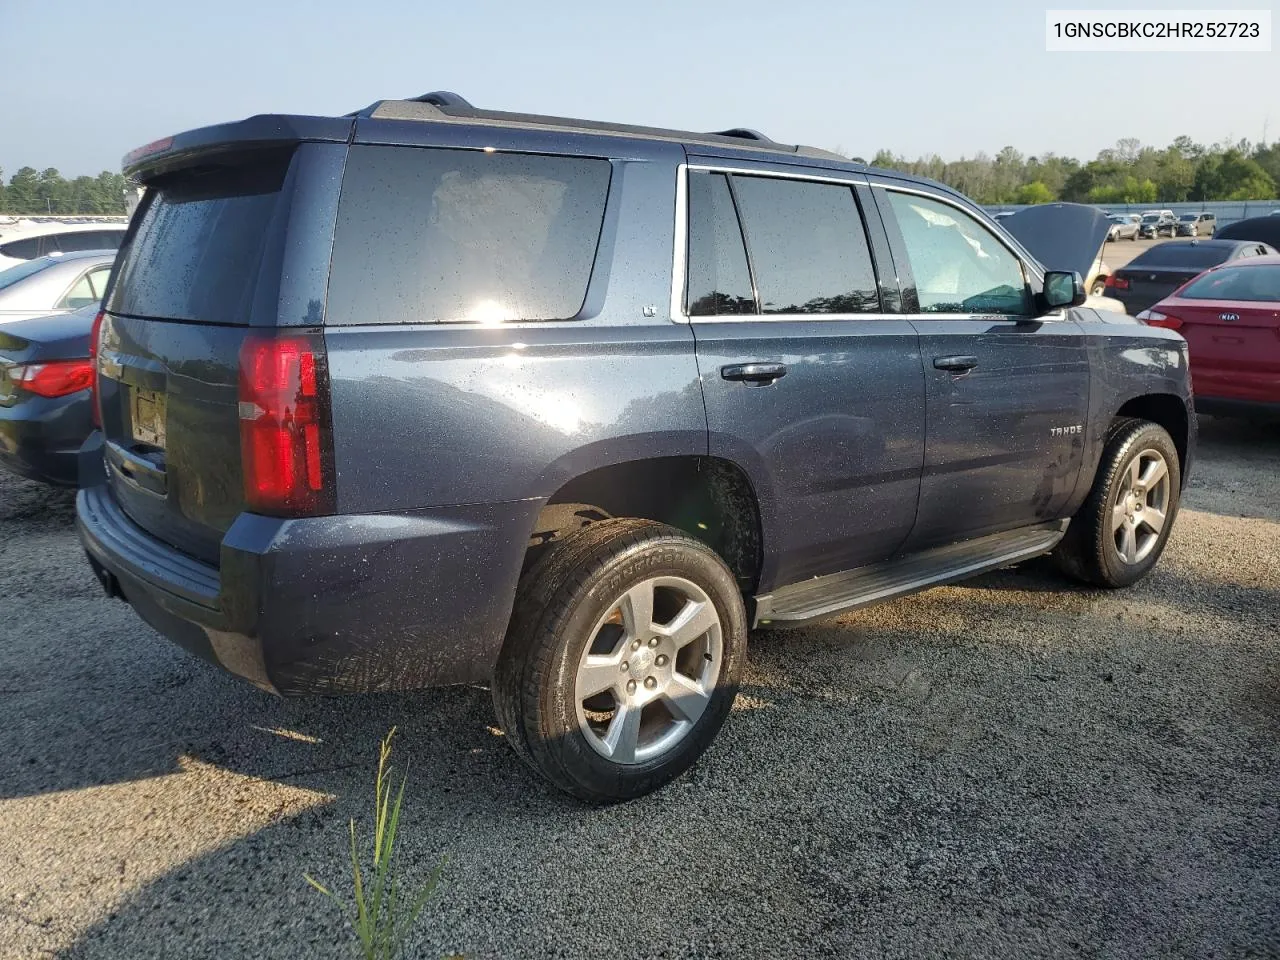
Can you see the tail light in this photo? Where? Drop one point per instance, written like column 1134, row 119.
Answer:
column 1119, row 283
column 286, row 437
column 1154, row 318
column 95, row 399
column 57, row 378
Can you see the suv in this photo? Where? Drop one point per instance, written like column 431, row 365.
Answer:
column 1155, row 225
column 429, row 395
column 1197, row 224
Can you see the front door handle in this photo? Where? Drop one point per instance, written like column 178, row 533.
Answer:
column 754, row 372
column 955, row 364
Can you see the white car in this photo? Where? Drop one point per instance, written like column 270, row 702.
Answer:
column 56, row 284
column 27, row 239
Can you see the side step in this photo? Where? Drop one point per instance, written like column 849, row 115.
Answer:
column 800, row 603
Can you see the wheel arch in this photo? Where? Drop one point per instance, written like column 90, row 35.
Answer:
column 710, row 498
column 1169, row 411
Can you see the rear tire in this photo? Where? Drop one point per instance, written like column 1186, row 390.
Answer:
column 651, row 617
column 1121, row 530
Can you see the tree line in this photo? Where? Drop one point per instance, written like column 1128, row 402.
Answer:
column 1126, row 173
column 29, row 191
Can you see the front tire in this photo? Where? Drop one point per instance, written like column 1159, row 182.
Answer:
column 622, row 659
column 1121, row 530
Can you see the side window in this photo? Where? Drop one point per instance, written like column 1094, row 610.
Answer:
column 75, row 240
column 25, row 249
column 80, row 295
column 53, row 243
column 959, row 265
column 808, row 246
column 718, row 279
column 430, row 235
column 98, row 281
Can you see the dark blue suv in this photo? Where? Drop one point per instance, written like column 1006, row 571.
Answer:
column 428, row 395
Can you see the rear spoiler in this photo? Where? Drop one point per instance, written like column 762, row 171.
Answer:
column 195, row 147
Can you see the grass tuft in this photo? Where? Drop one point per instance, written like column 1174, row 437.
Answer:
column 380, row 912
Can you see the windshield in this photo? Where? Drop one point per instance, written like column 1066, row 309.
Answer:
column 23, row 270
column 1150, row 218
column 1189, row 217
column 1256, row 283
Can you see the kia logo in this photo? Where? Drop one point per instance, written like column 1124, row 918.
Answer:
column 1228, row 316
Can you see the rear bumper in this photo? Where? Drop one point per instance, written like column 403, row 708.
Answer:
column 39, row 438
column 326, row 605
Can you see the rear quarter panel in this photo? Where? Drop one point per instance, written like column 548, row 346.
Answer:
column 433, row 415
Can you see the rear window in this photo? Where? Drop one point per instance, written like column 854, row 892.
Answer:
column 1181, row 255
column 1257, row 283
column 200, row 243
column 23, row 270
column 430, row 235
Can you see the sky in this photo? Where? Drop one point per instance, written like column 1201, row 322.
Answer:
column 85, row 82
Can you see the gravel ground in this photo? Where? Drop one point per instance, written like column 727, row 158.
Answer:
column 1009, row 768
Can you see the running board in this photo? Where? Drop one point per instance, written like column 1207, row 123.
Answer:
column 800, row 603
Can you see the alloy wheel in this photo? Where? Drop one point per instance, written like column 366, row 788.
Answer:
column 1140, row 509
column 649, row 670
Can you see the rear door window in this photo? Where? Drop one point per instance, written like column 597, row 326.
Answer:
column 441, row 235
column 719, row 278
column 807, row 246
column 200, row 243
column 80, row 295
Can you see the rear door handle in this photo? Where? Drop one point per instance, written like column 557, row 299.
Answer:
column 955, row 364
column 754, row 372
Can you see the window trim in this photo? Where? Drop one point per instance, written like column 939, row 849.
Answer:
column 680, row 257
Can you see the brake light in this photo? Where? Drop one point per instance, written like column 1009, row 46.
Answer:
column 1154, row 318
column 1119, row 283
column 286, row 440
column 94, row 399
column 57, row 378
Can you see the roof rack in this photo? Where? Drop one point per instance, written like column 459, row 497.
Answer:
column 443, row 98
column 744, row 133
column 446, row 106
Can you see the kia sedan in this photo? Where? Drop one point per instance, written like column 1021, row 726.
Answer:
column 1230, row 318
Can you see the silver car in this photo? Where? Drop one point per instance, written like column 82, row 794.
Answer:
column 54, row 284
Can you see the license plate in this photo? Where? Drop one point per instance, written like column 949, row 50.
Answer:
column 148, row 418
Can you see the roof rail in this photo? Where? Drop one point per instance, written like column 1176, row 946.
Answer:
column 743, row 133
column 443, row 98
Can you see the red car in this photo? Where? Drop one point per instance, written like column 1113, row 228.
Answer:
column 1230, row 317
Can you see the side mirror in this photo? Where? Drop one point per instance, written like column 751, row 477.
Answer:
column 1063, row 288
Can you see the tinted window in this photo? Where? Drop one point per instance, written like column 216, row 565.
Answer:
column 72, row 241
column 958, row 264
column 200, row 243
column 429, row 235
column 1181, row 255
column 1151, row 219
column 719, row 281
column 808, row 247
column 1261, row 283
column 23, row 249
column 23, row 270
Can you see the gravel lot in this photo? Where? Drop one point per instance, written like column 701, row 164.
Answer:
column 1009, row 768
